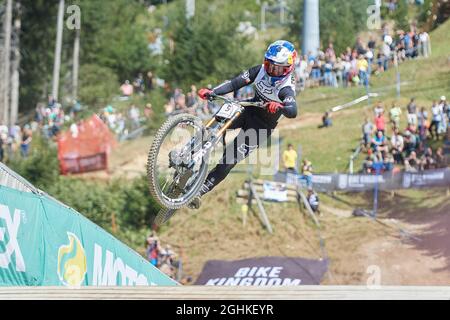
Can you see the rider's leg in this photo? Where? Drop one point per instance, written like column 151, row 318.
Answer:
column 248, row 139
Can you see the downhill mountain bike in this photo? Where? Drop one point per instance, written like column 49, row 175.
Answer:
column 177, row 162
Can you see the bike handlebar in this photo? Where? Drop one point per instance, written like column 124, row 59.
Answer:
column 214, row 96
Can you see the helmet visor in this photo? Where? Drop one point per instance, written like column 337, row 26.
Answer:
column 275, row 70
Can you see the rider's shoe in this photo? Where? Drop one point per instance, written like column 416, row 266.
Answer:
column 195, row 204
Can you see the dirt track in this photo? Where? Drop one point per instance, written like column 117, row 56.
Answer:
column 422, row 258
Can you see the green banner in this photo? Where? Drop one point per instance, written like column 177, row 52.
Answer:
column 43, row 243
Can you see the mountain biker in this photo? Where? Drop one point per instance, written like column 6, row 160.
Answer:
column 274, row 85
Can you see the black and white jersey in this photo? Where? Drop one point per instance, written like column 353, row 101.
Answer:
column 282, row 91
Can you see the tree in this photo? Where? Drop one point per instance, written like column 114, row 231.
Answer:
column 112, row 39
column 207, row 48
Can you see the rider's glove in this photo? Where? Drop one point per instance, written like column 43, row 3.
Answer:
column 204, row 93
column 273, row 106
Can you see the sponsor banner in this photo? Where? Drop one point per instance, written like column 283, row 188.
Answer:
column 86, row 148
column 84, row 164
column 265, row 271
column 367, row 182
column 46, row 243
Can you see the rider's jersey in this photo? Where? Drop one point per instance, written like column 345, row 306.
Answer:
column 282, row 91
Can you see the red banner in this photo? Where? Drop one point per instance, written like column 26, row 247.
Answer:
column 86, row 147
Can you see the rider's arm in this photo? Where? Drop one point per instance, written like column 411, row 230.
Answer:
column 287, row 96
column 244, row 79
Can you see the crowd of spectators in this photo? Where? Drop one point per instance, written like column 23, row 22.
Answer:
column 409, row 147
column 48, row 118
column 124, row 123
column 163, row 257
column 14, row 138
column 358, row 63
column 139, row 86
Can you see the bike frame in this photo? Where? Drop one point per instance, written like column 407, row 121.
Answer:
column 223, row 125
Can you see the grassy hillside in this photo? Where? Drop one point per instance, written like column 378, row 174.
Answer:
column 216, row 231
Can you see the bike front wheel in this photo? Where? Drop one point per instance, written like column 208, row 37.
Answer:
column 171, row 182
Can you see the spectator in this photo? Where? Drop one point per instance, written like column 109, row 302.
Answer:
column 379, row 142
column 15, row 133
column 378, row 109
column 329, row 76
column 427, row 160
column 347, row 71
column 436, row 120
column 302, row 72
column 120, row 125
column 38, row 115
column 290, row 159
column 26, row 140
column 412, row 163
column 139, row 85
column 440, row 159
column 378, row 162
column 186, row 280
column 149, row 81
column 359, row 46
column 51, row 102
column 169, row 107
column 412, row 112
column 410, row 142
column 326, row 120
column 397, row 146
column 368, row 162
column 134, row 116
column 388, row 163
column 368, row 128
column 307, row 172
column 380, row 122
column 153, row 249
column 126, row 89
column 394, row 115
column 386, row 52
column 371, row 44
column 313, row 200
column 74, row 130
column 446, row 108
column 424, row 44
column 443, row 108
column 423, row 122
column 75, row 109
column 363, row 67
column 148, row 111
column 329, row 53
column 338, row 69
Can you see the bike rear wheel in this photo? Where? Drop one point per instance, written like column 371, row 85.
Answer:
column 171, row 183
column 163, row 216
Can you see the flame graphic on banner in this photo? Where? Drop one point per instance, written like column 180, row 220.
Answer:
column 72, row 262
